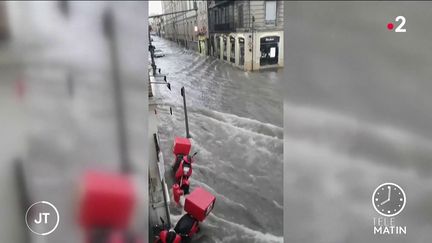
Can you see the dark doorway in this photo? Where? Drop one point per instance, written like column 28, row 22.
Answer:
column 232, row 49
column 242, row 51
column 225, row 47
column 269, row 50
column 218, row 47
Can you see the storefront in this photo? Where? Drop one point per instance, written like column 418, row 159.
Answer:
column 232, row 49
column 269, row 47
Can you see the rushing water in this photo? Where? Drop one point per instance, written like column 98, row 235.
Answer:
column 235, row 119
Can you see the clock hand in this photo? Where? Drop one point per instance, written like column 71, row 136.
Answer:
column 389, row 193
column 388, row 198
column 385, row 201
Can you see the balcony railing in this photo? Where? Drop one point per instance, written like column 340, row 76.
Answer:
column 224, row 27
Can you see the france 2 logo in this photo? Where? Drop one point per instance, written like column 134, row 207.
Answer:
column 401, row 20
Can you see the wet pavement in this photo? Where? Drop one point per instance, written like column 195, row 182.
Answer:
column 357, row 114
column 235, row 119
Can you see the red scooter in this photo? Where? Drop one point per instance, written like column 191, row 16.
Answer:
column 168, row 236
column 183, row 170
column 198, row 206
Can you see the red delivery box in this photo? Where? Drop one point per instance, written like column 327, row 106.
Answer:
column 199, row 203
column 107, row 200
column 181, row 146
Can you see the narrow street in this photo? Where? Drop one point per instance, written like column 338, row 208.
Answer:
column 235, row 119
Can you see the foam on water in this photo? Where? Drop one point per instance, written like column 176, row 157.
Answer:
column 240, row 162
column 241, row 232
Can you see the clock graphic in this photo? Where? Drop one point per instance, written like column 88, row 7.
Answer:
column 389, row 199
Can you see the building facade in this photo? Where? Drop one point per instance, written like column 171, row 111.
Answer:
column 187, row 25
column 155, row 24
column 247, row 34
column 4, row 24
column 203, row 37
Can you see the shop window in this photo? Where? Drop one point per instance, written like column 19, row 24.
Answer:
column 269, row 50
column 240, row 16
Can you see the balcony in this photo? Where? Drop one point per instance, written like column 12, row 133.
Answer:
column 224, row 27
column 218, row 3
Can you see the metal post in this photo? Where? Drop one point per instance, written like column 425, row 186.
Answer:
column 165, row 197
column 253, row 42
column 109, row 30
column 23, row 192
column 183, row 93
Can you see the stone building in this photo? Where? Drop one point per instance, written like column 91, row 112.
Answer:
column 248, row 34
column 203, row 42
column 182, row 25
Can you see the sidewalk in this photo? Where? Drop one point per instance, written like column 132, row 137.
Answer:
column 157, row 208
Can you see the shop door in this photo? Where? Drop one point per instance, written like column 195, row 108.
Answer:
column 242, row 51
column 232, row 50
column 225, row 47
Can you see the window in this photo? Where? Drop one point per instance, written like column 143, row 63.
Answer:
column 231, row 17
column 270, row 17
column 215, row 17
column 226, row 14
column 240, row 16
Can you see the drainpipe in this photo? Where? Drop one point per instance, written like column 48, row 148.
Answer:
column 253, row 42
column 185, row 30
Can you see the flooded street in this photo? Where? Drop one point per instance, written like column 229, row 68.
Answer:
column 235, row 120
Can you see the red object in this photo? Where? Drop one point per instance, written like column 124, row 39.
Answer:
column 184, row 164
column 107, row 201
column 199, row 203
column 177, row 192
column 187, row 226
column 181, row 146
column 168, row 237
column 390, row 26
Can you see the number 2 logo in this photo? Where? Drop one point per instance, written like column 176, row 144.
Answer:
column 402, row 21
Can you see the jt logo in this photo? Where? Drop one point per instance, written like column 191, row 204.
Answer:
column 40, row 218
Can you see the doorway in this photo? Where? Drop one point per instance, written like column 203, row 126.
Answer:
column 269, row 47
column 242, row 51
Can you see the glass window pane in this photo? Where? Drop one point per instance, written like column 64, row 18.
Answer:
column 270, row 10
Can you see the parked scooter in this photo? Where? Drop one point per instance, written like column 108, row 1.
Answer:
column 182, row 171
column 198, row 206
